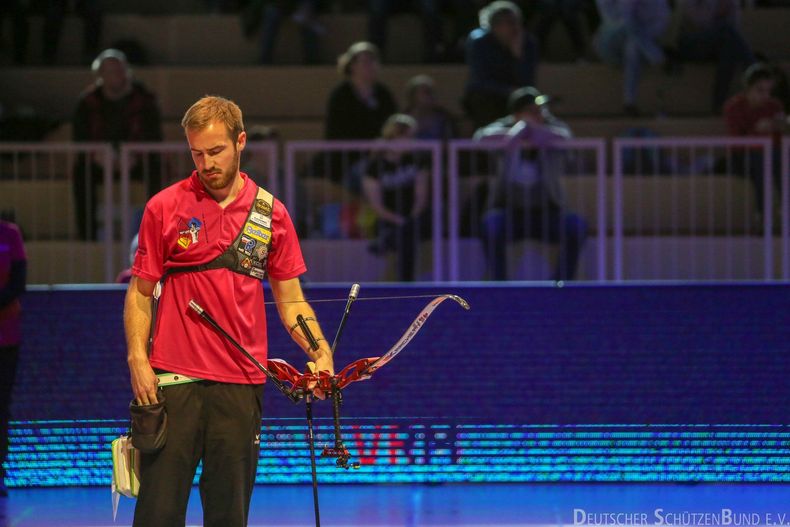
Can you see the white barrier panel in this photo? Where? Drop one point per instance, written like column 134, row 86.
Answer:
column 693, row 208
column 367, row 210
column 61, row 196
column 147, row 168
column 556, row 229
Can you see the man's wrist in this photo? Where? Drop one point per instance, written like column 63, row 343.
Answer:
column 137, row 358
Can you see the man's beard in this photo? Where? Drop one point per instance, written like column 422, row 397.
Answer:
column 227, row 175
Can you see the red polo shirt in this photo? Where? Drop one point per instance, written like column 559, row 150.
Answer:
column 184, row 226
column 742, row 118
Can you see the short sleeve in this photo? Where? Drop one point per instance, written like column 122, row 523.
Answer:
column 285, row 259
column 149, row 259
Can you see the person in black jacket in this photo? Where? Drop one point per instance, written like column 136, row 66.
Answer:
column 358, row 107
column 114, row 109
column 360, row 104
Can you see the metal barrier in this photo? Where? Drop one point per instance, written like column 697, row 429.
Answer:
column 680, row 208
column 562, row 218
column 61, row 196
column 693, row 208
column 352, row 203
column 146, row 168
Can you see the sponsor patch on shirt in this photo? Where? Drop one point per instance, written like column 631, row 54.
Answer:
column 257, row 232
column 247, row 245
column 260, row 219
column 261, row 251
column 257, row 273
column 263, row 207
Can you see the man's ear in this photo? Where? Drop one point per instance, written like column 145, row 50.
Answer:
column 241, row 142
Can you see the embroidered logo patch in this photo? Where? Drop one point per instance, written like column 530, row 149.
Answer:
column 260, row 219
column 256, row 232
column 189, row 235
column 263, row 207
column 261, row 251
column 247, row 245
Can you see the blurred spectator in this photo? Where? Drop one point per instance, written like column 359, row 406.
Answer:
column 755, row 112
column 269, row 15
column 360, row 104
column 502, row 57
column 629, row 37
column 396, row 185
column 708, row 30
column 13, row 275
column 525, row 199
column 18, row 11
column 115, row 108
column 569, row 12
column 256, row 163
column 357, row 109
column 434, row 48
column 433, row 120
column 55, row 15
column 126, row 275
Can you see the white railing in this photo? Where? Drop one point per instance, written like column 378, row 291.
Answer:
column 327, row 176
column 693, row 208
column 670, row 208
column 55, row 192
column 583, row 166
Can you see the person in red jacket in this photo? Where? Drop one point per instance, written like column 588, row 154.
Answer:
column 755, row 112
column 210, row 238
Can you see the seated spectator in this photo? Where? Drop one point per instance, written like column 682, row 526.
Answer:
column 755, row 112
column 569, row 12
column 629, row 37
column 502, row 57
column 433, row 120
column 357, row 109
column 708, row 30
column 269, row 15
column 115, row 109
column 55, row 15
column 434, row 47
column 396, row 185
column 360, row 104
column 525, row 199
column 19, row 12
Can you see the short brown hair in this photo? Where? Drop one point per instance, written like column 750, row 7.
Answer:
column 213, row 108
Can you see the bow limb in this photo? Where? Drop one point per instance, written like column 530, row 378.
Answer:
column 409, row 334
column 360, row 369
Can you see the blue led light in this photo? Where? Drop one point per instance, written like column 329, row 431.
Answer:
column 77, row 453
